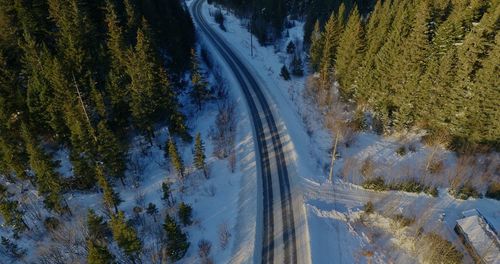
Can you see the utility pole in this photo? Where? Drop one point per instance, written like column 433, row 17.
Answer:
column 251, row 29
column 330, row 177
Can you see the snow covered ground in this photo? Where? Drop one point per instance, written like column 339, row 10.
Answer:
column 331, row 208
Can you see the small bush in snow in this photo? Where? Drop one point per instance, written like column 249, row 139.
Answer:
column 368, row 207
column 219, row 18
column 412, row 147
column 493, row 191
column 285, row 73
column 408, row 186
column 465, row 192
column 432, row 191
column 401, row 151
column 367, row 168
column 436, row 249
column 51, row 223
column 403, row 221
column 224, row 235
column 290, row 48
column 204, row 247
column 185, row 213
column 376, row 184
column 436, row 167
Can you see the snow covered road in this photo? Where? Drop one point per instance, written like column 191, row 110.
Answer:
column 276, row 235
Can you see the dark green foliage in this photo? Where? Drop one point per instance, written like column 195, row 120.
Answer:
column 368, row 207
column 401, row 151
column 110, row 197
column 290, row 48
column 285, row 73
column 430, row 64
column 465, row 192
column 51, row 223
column 408, row 186
column 376, row 184
column 403, row 221
column 316, row 49
column 493, row 191
column 12, row 215
column 199, row 155
column 70, row 72
column 47, row 179
column 296, row 66
column 152, row 210
column 432, row 191
column 219, row 19
column 441, row 250
column 177, row 243
column 185, row 213
column 167, row 193
column 176, row 159
column 98, row 254
column 11, row 249
column 125, row 236
column 200, row 92
column 111, row 151
column 97, row 227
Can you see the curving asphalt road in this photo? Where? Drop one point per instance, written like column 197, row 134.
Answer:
column 278, row 225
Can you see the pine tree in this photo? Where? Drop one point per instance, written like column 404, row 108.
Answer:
column 166, row 193
column 296, row 66
column 177, row 243
column 111, row 151
column 12, row 216
column 285, row 73
column 48, row 181
column 176, row 159
column 185, row 213
column 199, row 155
column 11, row 249
column 411, row 68
column 329, row 55
column 97, row 227
column 98, row 254
column 199, row 92
column 110, row 197
column 316, row 49
column 152, row 210
column 350, row 54
column 152, row 97
column 290, row 48
column 117, row 80
column 125, row 236
column 142, row 69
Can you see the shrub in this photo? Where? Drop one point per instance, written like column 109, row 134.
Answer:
column 403, row 221
column 401, row 151
column 51, row 223
column 440, row 250
column 358, row 122
column 412, row 147
column 185, row 213
column 432, row 191
column 376, row 184
column 219, row 18
column 285, row 73
column 493, row 191
column 368, row 207
column 408, row 186
column 465, row 192
column 367, row 168
column 204, row 247
column 290, row 48
column 436, row 166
